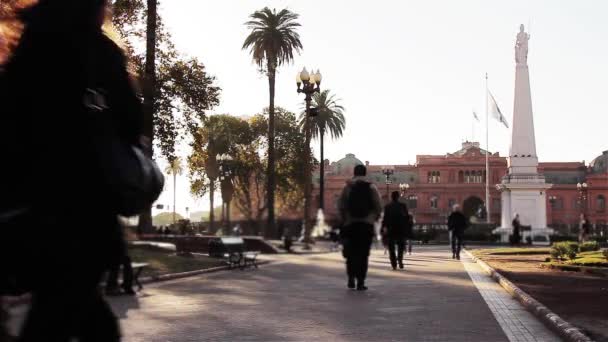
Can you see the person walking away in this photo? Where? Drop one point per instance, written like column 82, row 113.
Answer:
column 112, row 287
column 63, row 75
column 457, row 223
column 516, row 238
column 360, row 207
column 395, row 224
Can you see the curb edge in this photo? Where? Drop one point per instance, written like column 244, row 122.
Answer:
column 548, row 317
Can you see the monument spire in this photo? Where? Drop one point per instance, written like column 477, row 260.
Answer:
column 522, row 152
column 523, row 190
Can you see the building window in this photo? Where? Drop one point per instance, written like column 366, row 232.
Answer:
column 451, row 203
column 434, row 202
column 479, row 177
column 467, row 177
column 412, row 201
column 434, row 177
column 460, row 177
column 557, row 203
column 601, row 203
column 576, row 204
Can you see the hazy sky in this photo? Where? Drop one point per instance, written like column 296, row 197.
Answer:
column 410, row 72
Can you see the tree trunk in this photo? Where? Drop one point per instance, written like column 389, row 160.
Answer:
column 307, row 175
column 145, row 219
column 174, row 189
column 322, row 173
column 211, row 209
column 270, row 228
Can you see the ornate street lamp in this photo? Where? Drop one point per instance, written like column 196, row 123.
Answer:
column 403, row 187
column 388, row 171
column 226, row 167
column 583, row 188
column 308, row 83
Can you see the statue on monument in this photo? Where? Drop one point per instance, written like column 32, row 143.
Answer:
column 521, row 46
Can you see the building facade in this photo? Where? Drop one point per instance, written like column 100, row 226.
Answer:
column 436, row 182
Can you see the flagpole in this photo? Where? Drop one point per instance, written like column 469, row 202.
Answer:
column 487, row 156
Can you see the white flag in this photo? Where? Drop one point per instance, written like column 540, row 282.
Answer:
column 475, row 116
column 495, row 111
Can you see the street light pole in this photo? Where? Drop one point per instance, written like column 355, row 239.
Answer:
column 308, row 83
column 388, row 171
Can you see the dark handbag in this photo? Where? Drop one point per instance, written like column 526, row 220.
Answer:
column 132, row 179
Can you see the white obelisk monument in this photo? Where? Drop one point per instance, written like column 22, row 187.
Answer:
column 523, row 190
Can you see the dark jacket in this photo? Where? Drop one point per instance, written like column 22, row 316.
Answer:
column 396, row 220
column 457, row 222
column 46, row 134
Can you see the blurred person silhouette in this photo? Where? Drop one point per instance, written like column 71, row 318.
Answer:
column 360, row 208
column 63, row 81
column 396, row 225
column 457, row 223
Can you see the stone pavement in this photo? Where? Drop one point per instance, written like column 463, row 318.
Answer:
column 304, row 298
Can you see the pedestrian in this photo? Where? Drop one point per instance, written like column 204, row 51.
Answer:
column 584, row 228
column 124, row 262
column 457, row 223
column 395, row 225
column 516, row 238
column 360, row 207
column 62, row 78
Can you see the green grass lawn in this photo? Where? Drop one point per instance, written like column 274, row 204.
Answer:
column 513, row 251
column 166, row 262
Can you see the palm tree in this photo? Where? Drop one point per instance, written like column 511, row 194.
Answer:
column 174, row 168
column 330, row 118
column 272, row 42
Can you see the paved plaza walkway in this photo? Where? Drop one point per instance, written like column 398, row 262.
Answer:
column 304, row 298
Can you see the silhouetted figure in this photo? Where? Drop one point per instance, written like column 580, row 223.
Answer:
column 360, row 207
column 516, row 238
column 62, row 69
column 395, row 225
column 112, row 287
column 457, row 223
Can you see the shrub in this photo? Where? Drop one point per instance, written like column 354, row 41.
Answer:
column 561, row 250
column 590, row 246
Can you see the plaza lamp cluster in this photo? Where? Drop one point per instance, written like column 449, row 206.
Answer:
column 308, row 84
column 388, row 171
column 583, row 188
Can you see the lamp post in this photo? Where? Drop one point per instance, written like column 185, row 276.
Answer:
column 583, row 188
column 388, row 171
column 226, row 168
column 403, row 187
column 308, row 84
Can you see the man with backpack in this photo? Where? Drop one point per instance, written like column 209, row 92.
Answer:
column 360, row 207
column 395, row 226
column 457, row 223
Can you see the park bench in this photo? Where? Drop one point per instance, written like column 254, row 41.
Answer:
column 233, row 250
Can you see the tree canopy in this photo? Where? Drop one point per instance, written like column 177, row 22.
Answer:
column 184, row 90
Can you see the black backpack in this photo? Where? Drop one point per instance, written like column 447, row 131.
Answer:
column 360, row 202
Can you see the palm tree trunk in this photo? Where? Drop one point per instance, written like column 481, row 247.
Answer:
column 145, row 219
column 174, row 189
column 322, row 173
column 271, row 162
column 211, row 211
